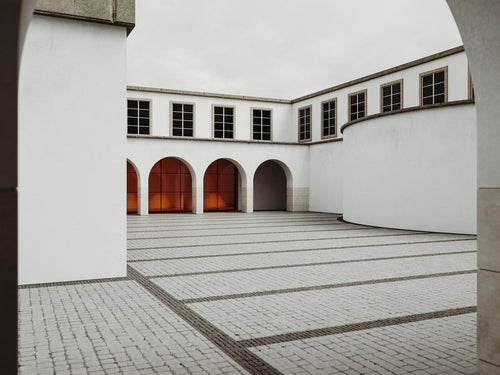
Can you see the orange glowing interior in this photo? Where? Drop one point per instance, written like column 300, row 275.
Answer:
column 131, row 189
column 219, row 191
column 170, row 187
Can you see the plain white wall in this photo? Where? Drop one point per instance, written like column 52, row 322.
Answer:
column 414, row 170
column 72, row 124
column 326, row 177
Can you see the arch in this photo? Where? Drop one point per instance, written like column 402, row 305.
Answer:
column 170, row 186
column 222, row 185
column 270, row 186
column 132, row 188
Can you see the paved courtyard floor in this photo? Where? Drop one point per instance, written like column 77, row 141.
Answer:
column 262, row 293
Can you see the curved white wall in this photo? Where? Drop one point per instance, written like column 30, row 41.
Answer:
column 414, row 170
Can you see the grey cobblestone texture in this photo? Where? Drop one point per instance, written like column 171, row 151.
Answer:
column 444, row 346
column 262, row 293
column 109, row 328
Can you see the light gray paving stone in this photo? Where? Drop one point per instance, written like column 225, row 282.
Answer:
column 184, row 287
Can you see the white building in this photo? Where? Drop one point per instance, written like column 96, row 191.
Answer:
column 394, row 149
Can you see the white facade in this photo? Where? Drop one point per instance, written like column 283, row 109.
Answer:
column 414, row 169
column 72, row 151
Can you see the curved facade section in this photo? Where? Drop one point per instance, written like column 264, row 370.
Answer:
column 414, row 170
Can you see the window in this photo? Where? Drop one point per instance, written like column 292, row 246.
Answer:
column 182, row 119
column 357, row 105
column 329, row 118
column 391, row 96
column 223, row 122
column 305, row 123
column 433, row 87
column 261, row 124
column 138, row 116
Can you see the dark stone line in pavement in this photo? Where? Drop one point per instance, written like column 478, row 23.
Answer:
column 296, row 240
column 321, row 287
column 302, row 335
column 289, row 251
column 239, row 353
column 76, row 282
column 232, row 270
column 243, row 234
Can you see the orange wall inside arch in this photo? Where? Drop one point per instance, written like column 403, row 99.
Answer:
column 170, row 187
column 131, row 189
column 220, row 186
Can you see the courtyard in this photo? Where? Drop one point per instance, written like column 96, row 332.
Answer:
column 262, row 293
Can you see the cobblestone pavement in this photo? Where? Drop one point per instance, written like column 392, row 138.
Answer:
column 262, row 293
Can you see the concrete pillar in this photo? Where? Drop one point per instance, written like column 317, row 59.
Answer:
column 480, row 31
column 143, row 198
column 297, row 199
column 197, row 199
column 247, row 199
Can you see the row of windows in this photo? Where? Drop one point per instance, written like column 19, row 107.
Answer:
column 183, row 120
column 433, row 89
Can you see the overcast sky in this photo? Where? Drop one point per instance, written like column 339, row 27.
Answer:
column 279, row 48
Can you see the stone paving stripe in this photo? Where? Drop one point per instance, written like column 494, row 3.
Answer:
column 245, row 233
column 280, row 241
column 320, row 287
column 302, row 335
column 239, row 353
column 75, row 282
column 306, row 264
column 291, row 251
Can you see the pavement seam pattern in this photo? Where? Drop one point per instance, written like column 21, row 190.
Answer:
column 279, row 241
column 302, row 335
column 321, row 287
column 239, row 353
column 293, row 250
column 75, row 282
column 307, row 264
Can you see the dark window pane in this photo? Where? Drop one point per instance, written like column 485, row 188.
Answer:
column 229, row 111
column 177, row 131
column 427, row 80
column 143, row 130
column 353, row 99
column 229, row 134
column 354, row 108
column 218, row 126
column 188, row 116
column 361, row 107
column 439, row 98
column 439, row 77
column 218, row 110
column 132, row 121
column 177, row 107
column 228, row 118
column 229, row 126
column 256, row 135
column 266, row 128
column 439, row 89
column 361, row 114
column 396, row 106
column 427, row 91
column 386, row 108
column 132, row 130
column 132, row 112
column 177, row 115
column 386, row 100
column 144, row 122
column 361, row 97
column 144, row 105
column 266, row 136
column 426, row 101
column 396, row 98
column 131, row 104
column 256, row 121
column 256, row 113
column 218, row 134
column 188, row 132
column 386, row 90
column 266, row 121
column 256, row 128
column 266, row 114
column 188, row 108
column 219, row 118
column 177, row 124
column 396, row 88
column 188, row 125
column 144, row 113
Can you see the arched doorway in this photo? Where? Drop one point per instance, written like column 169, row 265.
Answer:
column 220, row 186
column 170, row 186
column 269, row 187
column 132, row 183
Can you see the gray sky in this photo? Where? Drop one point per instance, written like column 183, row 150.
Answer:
column 279, row 48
